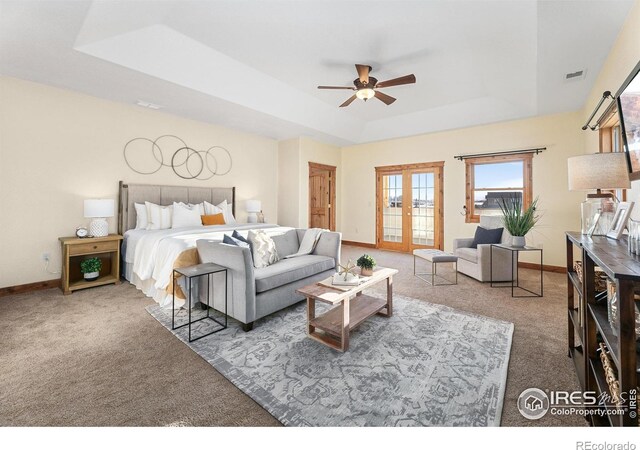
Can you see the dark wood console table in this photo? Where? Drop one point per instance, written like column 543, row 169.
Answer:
column 588, row 323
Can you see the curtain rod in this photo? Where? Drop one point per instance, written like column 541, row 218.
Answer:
column 508, row 152
column 605, row 95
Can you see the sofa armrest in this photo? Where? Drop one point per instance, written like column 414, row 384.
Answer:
column 241, row 277
column 329, row 244
column 504, row 263
column 462, row 243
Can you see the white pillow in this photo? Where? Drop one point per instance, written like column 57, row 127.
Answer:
column 185, row 216
column 210, row 209
column 141, row 216
column 199, row 206
column 228, row 214
column 158, row 217
column 263, row 249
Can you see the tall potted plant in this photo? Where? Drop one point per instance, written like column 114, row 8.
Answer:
column 517, row 220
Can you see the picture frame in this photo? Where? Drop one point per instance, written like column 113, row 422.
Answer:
column 619, row 222
column 594, row 224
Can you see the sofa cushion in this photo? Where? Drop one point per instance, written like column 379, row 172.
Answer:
column 287, row 271
column 468, row 254
column 486, row 236
column 286, row 243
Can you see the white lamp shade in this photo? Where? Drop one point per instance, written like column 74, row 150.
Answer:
column 99, row 208
column 254, row 206
column 598, row 171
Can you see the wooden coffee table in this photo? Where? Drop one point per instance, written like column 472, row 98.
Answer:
column 351, row 308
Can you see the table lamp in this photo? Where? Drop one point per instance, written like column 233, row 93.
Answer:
column 597, row 172
column 99, row 210
column 253, row 208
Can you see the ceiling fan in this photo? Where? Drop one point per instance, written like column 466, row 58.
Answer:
column 366, row 86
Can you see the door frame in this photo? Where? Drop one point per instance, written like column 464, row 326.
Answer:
column 332, row 191
column 407, row 170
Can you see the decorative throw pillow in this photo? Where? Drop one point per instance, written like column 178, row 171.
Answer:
column 239, row 237
column 213, row 219
column 141, row 216
column 263, row 249
column 232, row 241
column 185, row 216
column 485, row 236
column 222, row 207
column 158, row 217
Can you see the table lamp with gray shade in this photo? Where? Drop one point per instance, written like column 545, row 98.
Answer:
column 99, row 210
column 598, row 171
column 253, row 208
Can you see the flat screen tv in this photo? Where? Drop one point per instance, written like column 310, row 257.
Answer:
column 628, row 98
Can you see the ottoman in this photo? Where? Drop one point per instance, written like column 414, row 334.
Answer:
column 435, row 257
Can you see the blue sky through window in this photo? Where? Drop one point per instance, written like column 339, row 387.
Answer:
column 499, row 175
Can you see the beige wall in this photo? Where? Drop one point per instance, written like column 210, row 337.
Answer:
column 293, row 190
column 289, row 183
column 560, row 208
column 58, row 148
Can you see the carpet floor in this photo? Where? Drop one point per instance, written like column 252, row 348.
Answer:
column 96, row 358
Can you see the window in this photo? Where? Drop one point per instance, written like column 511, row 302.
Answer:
column 493, row 179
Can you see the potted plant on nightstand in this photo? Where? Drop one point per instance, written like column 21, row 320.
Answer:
column 91, row 268
column 366, row 264
column 518, row 221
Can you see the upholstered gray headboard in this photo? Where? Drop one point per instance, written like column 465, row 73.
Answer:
column 166, row 195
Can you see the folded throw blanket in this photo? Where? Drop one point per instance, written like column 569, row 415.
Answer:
column 309, row 241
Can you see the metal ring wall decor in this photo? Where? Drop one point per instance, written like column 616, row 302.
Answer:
column 186, row 162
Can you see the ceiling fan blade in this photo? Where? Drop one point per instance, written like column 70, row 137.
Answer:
column 337, row 87
column 385, row 98
column 348, row 102
column 407, row 79
column 363, row 73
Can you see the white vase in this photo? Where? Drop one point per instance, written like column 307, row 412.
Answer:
column 518, row 241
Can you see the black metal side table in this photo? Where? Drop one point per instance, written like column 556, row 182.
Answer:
column 515, row 280
column 189, row 273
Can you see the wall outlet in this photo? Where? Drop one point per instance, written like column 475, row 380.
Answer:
column 46, row 256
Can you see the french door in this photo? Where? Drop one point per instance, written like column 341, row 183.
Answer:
column 410, row 206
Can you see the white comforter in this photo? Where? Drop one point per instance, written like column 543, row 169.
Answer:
column 153, row 253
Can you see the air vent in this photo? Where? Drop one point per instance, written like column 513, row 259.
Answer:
column 574, row 76
column 148, row 105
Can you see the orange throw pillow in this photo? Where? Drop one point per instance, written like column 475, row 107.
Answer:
column 213, row 219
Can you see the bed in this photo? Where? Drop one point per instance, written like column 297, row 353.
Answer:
column 149, row 256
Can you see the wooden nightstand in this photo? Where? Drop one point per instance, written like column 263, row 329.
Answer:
column 74, row 250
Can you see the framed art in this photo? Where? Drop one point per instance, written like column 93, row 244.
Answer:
column 620, row 219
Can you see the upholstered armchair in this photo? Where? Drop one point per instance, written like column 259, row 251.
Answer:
column 475, row 262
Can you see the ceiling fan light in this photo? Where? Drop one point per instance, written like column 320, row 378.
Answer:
column 365, row 94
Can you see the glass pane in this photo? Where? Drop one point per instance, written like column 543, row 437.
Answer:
column 392, row 208
column 499, row 175
column 487, row 202
column 422, row 223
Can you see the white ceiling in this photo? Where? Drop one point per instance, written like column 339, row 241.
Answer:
column 255, row 65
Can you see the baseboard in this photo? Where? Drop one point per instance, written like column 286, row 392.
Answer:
column 29, row 287
column 545, row 267
column 359, row 244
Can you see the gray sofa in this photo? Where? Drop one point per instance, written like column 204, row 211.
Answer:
column 256, row 293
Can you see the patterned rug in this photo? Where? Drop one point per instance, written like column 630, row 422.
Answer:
column 428, row 365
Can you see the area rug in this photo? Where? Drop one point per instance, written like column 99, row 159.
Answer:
column 428, row 365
